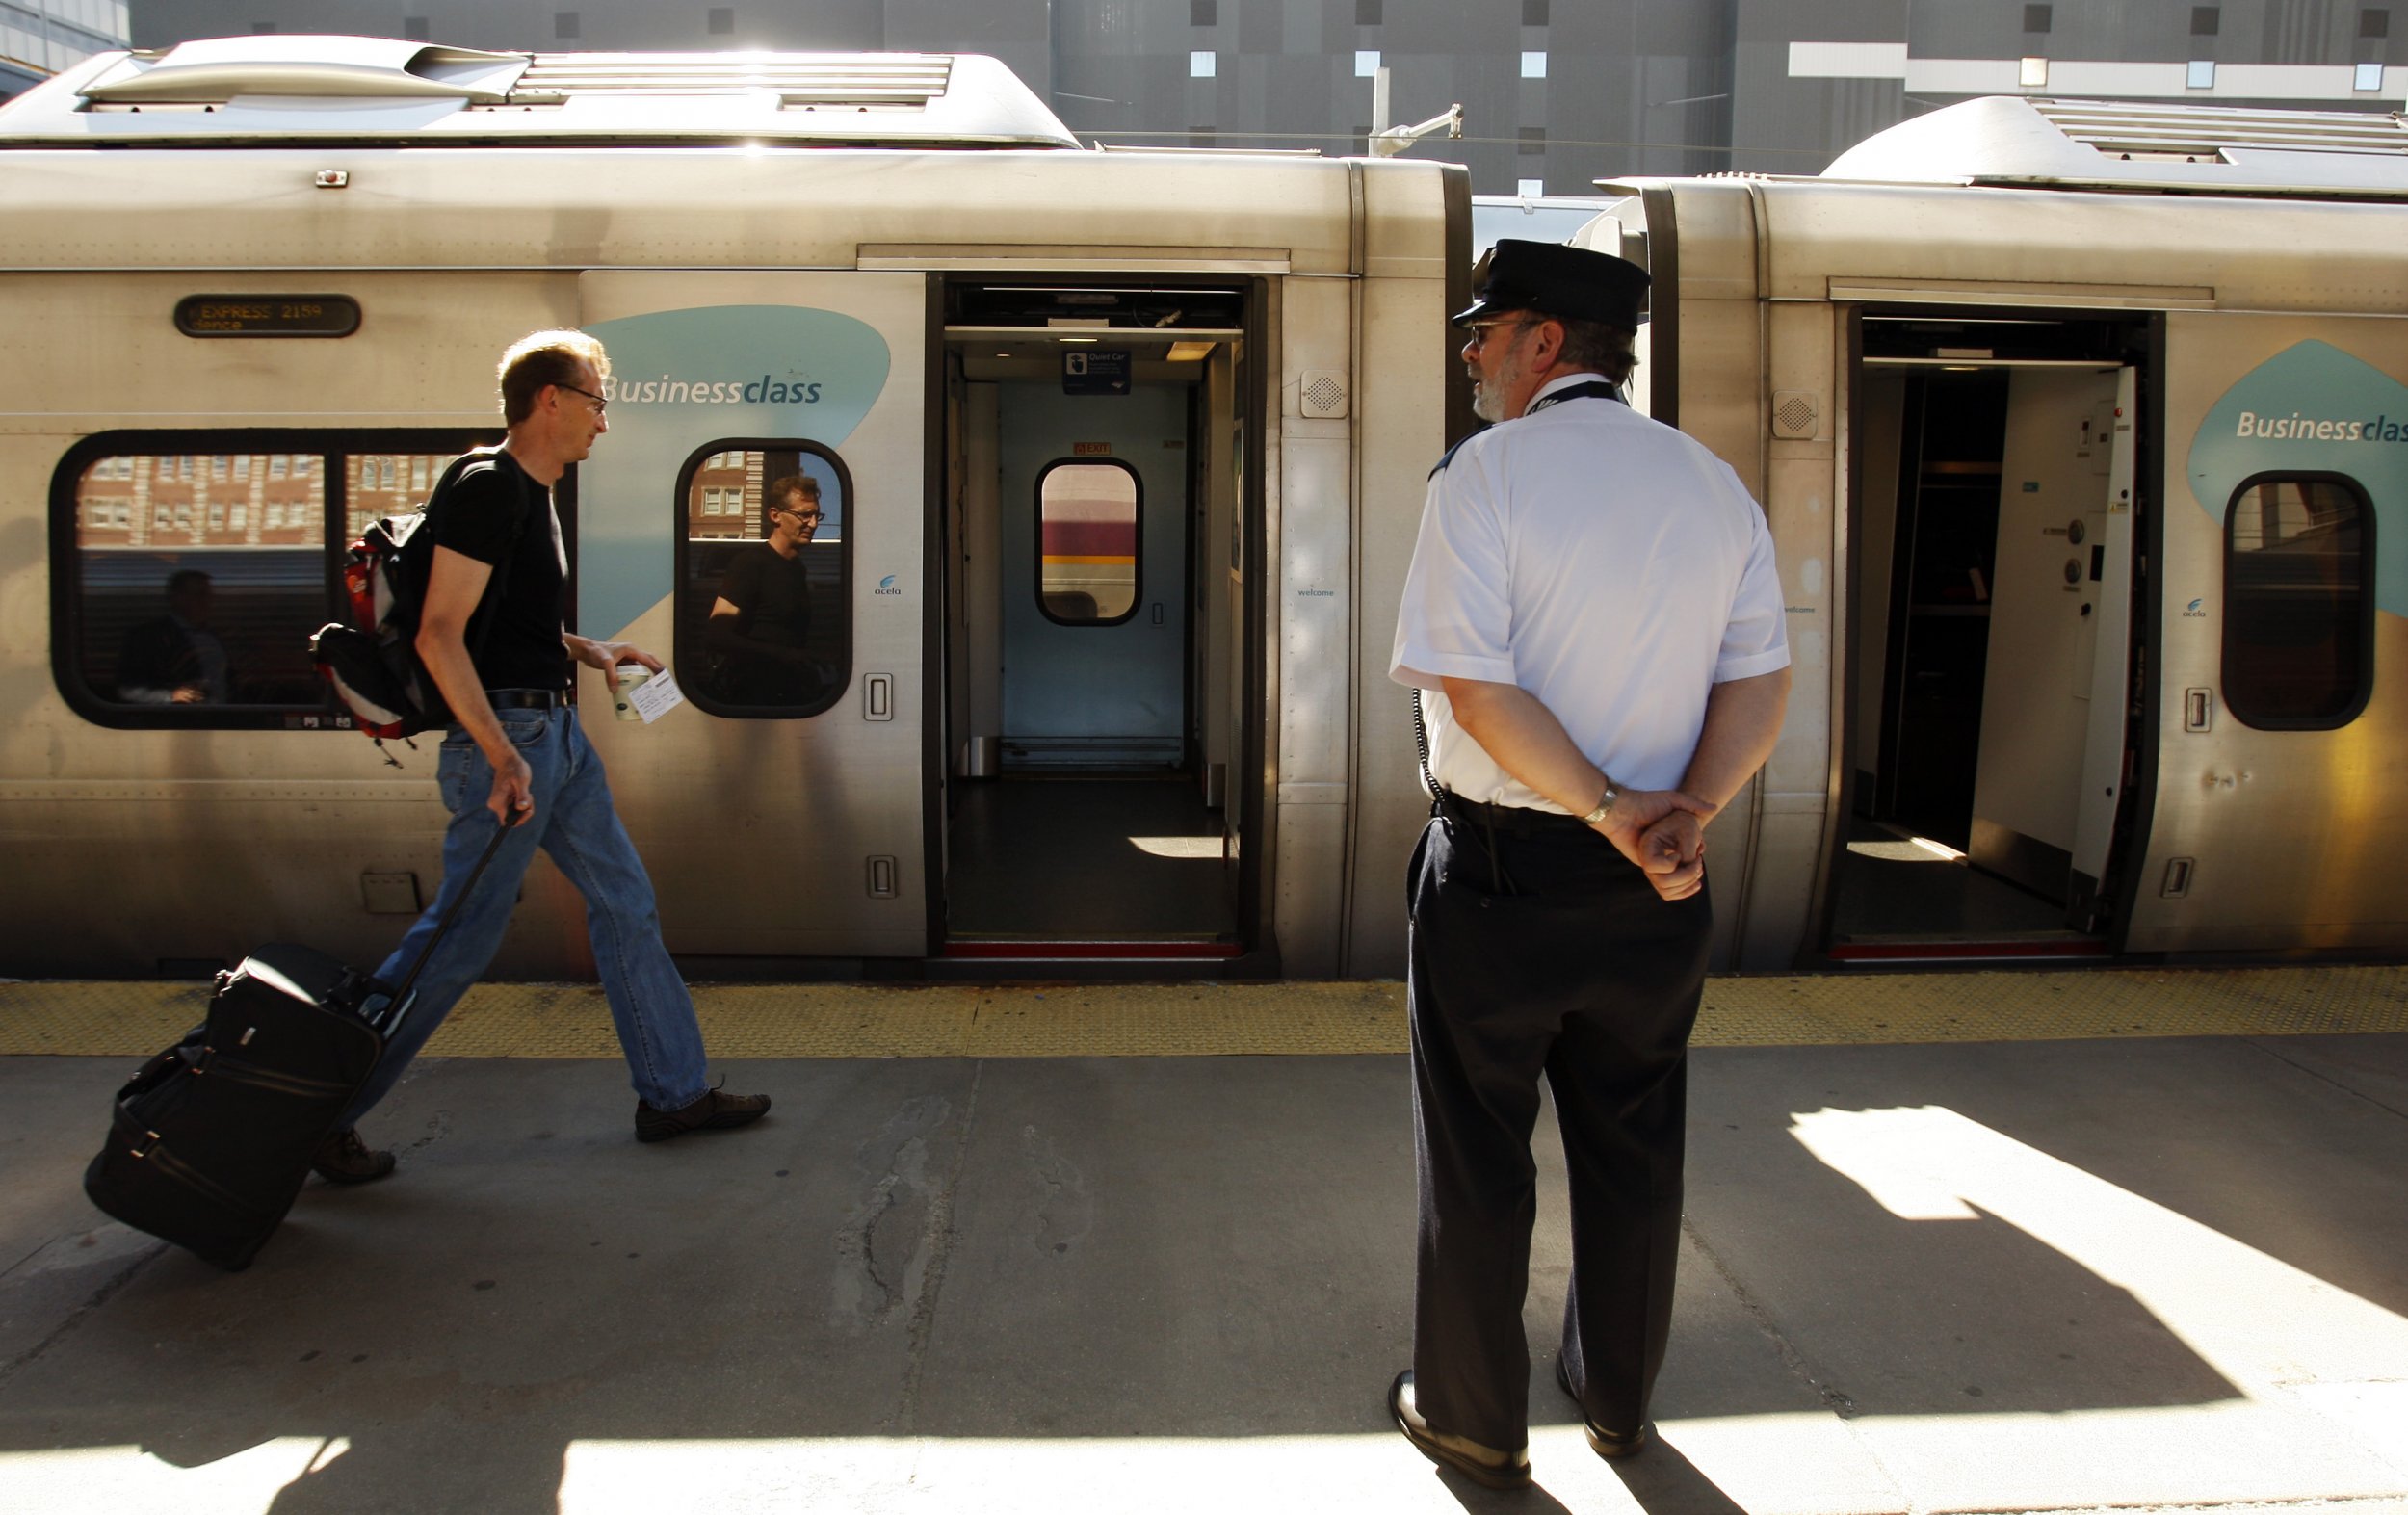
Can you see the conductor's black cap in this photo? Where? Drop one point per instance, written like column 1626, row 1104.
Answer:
column 1553, row 279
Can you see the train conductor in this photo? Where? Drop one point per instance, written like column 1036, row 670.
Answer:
column 1593, row 626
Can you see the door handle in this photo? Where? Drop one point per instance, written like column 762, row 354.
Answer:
column 2198, row 710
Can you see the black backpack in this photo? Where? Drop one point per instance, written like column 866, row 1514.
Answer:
column 372, row 661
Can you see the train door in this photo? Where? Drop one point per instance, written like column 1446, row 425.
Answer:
column 1991, row 625
column 1087, row 815
column 781, row 808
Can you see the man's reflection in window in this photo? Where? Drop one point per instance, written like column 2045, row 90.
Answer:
column 177, row 659
column 763, row 613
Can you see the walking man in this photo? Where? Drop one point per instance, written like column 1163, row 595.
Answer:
column 1594, row 625
column 516, row 756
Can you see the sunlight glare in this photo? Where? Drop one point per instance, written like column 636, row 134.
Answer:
column 1178, row 845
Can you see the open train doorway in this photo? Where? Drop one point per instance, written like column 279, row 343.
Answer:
column 1093, row 669
column 1990, row 613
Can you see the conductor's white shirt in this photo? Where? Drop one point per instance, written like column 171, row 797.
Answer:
column 1608, row 564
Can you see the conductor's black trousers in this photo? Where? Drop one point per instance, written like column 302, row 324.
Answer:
column 1537, row 948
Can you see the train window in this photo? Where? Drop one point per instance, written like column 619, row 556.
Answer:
column 1087, row 552
column 763, row 624
column 189, row 571
column 2298, row 602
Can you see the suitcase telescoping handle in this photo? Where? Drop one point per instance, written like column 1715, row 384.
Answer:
column 401, row 994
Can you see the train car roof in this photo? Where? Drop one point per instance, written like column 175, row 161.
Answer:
column 2015, row 142
column 278, row 89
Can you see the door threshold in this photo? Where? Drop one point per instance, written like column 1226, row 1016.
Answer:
column 1092, row 949
column 1969, row 948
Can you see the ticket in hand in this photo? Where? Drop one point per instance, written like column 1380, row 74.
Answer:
column 656, row 696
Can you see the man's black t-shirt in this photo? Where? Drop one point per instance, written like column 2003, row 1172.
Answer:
column 478, row 517
column 772, row 595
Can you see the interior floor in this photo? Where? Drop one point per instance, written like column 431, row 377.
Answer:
column 1891, row 884
column 1087, row 858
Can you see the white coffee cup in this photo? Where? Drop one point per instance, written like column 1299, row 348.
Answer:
column 626, row 678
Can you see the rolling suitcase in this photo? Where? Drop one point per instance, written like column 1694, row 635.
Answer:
column 212, row 1138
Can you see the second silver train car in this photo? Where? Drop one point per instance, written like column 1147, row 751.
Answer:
column 1120, row 457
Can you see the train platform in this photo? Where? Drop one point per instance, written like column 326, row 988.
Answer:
column 2120, row 1238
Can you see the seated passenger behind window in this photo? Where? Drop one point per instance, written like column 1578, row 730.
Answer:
column 177, row 659
column 763, row 613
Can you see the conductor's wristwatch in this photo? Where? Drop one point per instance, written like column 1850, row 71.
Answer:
column 1604, row 804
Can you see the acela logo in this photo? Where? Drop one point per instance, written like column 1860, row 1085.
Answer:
column 2192, row 611
column 886, row 586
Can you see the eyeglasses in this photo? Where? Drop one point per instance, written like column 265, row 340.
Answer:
column 1480, row 329
column 600, row 405
column 811, row 517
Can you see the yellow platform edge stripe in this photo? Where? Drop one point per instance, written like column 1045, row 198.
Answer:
column 84, row 1018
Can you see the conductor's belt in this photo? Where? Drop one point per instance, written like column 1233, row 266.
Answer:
column 1512, row 819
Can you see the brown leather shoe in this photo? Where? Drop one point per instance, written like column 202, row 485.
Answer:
column 1486, row 1466
column 716, row 1110
column 344, row 1158
column 1605, row 1443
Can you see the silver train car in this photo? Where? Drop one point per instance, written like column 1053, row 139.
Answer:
column 2075, row 481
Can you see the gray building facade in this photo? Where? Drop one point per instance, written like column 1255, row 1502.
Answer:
column 1556, row 93
column 38, row 37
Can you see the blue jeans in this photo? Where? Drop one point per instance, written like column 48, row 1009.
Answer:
column 575, row 822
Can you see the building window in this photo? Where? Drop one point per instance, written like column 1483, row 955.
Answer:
column 1533, row 13
column 1367, row 12
column 1366, row 63
column 2205, row 19
column 181, row 615
column 1533, row 140
column 1087, row 516
column 2298, row 602
column 2200, row 75
column 764, row 622
column 2373, row 22
column 1529, row 189
column 1203, row 63
column 2036, row 18
column 721, row 22
column 1533, row 65
column 2367, row 77
column 1203, row 13
column 414, row 29
column 565, row 25
column 2032, row 74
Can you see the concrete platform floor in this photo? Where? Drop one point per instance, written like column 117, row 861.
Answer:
column 2148, row 1272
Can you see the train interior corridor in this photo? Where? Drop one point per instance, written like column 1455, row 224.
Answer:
column 1988, row 617
column 1094, row 660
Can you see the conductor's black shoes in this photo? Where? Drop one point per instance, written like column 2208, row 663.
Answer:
column 1486, row 1466
column 714, row 1112
column 1604, row 1442
column 344, row 1158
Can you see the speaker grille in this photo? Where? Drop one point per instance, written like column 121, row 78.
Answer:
column 1324, row 396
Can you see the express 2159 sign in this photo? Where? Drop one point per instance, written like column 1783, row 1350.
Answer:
column 267, row 315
